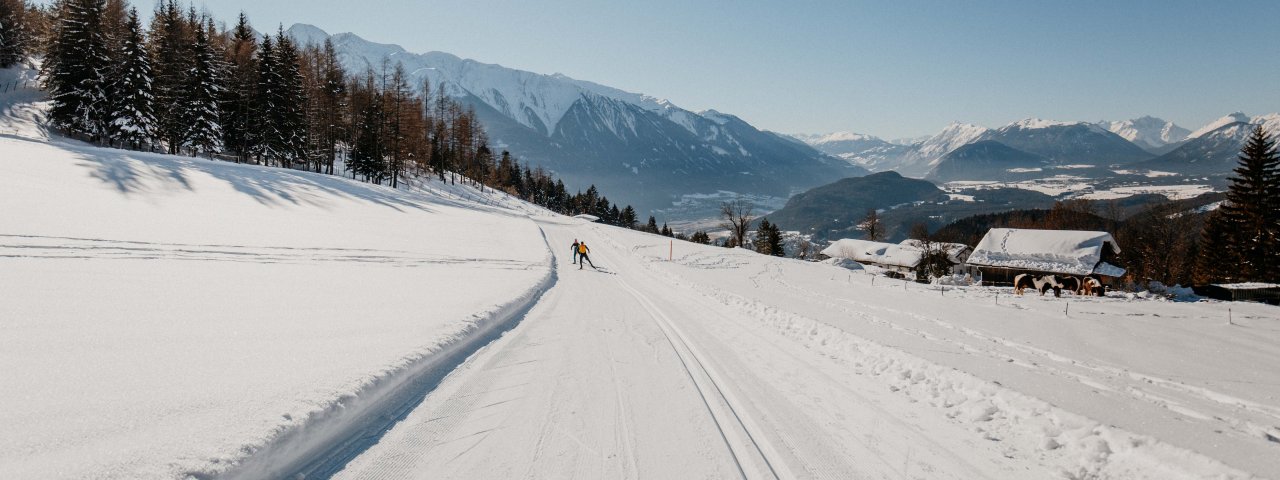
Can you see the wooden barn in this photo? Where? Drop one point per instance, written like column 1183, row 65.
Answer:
column 900, row 258
column 1004, row 253
column 1242, row 292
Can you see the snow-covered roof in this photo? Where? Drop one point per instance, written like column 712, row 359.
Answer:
column 956, row 252
column 906, row 254
column 880, row 253
column 1071, row 252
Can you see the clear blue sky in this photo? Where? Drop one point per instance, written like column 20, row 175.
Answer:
column 888, row 68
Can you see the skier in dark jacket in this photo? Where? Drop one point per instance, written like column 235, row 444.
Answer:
column 575, row 251
column 582, row 256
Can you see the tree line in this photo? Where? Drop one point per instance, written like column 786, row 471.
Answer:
column 183, row 84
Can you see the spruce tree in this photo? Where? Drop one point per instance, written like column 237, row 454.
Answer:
column 133, row 119
column 652, row 226
column 171, row 47
column 264, row 133
column 77, row 66
column 762, row 244
column 1251, row 213
column 200, row 109
column 290, row 105
column 628, row 217
column 242, row 82
column 774, row 239
column 14, row 37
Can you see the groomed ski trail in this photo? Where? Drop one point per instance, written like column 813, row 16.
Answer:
column 627, row 376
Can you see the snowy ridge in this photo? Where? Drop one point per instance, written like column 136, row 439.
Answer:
column 535, row 100
column 1219, row 123
column 1147, row 131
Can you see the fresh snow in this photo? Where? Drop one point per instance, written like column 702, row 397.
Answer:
column 1061, row 251
column 170, row 317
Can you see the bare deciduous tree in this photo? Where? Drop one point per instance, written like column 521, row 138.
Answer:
column 737, row 219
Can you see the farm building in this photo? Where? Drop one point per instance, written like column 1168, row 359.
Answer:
column 1004, row 253
column 1242, row 292
column 901, row 258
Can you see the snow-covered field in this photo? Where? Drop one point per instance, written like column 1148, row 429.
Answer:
column 164, row 316
column 169, row 317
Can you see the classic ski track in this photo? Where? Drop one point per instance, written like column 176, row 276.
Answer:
column 839, row 385
column 688, row 356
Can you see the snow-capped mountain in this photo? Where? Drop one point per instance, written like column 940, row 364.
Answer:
column 1068, row 142
column 1213, row 149
column 1148, row 132
column 642, row 150
column 865, row 151
column 923, row 156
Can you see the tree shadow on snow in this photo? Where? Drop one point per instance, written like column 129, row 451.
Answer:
column 132, row 172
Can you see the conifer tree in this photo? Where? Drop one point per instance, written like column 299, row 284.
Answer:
column 652, row 226
column 133, row 119
column 200, row 109
column 1250, row 216
column 628, row 217
column 700, row 237
column 77, row 66
column 14, row 36
column 666, row 231
column 171, row 54
column 242, row 83
column 289, row 107
column 762, row 237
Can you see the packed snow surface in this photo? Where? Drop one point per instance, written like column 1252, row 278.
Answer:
column 167, row 317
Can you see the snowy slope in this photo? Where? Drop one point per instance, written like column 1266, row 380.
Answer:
column 923, row 156
column 168, row 316
column 866, row 151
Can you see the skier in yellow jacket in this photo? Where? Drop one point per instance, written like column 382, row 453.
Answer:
column 582, row 256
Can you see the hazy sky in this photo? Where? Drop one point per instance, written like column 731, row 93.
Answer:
column 888, row 68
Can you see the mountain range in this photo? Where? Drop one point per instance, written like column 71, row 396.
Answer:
column 1143, row 143
column 640, row 150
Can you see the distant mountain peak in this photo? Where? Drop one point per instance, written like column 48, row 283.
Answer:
column 1236, row 117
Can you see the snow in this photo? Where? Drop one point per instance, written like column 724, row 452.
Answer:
column 879, row 253
column 1147, row 131
column 1173, row 192
column 169, row 317
column 1229, row 119
column 1247, row 285
column 1071, row 252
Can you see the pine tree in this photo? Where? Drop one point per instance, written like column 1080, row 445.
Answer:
column 264, row 134
column 77, row 66
column 700, row 237
column 628, row 217
column 14, row 37
column 1218, row 259
column 652, row 226
column 291, row 104
column 242, row 81
column 1251, row 212
column 762, row 244
column 200, row 109
column 774, row 239
column 133, row 119
column 171, row 54
column 666, row 231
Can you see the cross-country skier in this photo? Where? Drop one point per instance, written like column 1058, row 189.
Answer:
column 582, row 256
column 575, row 251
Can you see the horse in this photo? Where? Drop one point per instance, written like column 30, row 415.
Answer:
column 1091, row 286
column 1042, row 284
